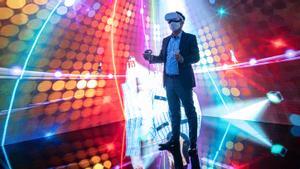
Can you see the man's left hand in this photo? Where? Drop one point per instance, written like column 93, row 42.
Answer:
column 179, row 57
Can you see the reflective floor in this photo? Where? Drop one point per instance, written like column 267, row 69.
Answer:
column 244, row 147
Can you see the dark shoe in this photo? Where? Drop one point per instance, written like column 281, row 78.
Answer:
column 193, row 153
column 170, row 146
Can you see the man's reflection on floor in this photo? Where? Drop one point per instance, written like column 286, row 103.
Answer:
column 147, row 119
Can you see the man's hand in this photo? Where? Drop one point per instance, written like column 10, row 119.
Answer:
column 148, row 54
column 179, row 57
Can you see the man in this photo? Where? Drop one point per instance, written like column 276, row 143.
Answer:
column 178, row 52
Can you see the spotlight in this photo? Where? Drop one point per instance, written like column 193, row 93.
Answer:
column 222, row 11
column 278, row 43
column 275, row 97
column 57, row 74
column 252, row 61
column 290, row 53
column 49, row 134
column 278, row 150
column 16, row 70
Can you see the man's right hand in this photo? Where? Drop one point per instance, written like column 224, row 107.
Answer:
column 148, row 54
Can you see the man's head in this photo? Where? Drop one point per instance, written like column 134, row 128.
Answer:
column 175, row 20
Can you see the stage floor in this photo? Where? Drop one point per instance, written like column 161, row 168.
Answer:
column 102, row 146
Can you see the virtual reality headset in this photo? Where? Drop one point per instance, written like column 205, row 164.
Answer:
column 173, row 16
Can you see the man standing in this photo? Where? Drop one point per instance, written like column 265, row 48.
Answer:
column 179, row 51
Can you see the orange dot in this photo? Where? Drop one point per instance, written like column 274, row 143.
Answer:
column 84, row 163
column 54, row 96
column 71, row 55
column 68, row 95
column 65, row 106
column 55, row 63
column 67, row 64
column 107, row 164
column 88, row 102
column 60, row 53
column 75, row 115
column 95, row 159
column 90, row 57
column 64, row 44
column 90, row 93
column 6, row 13
column 9, row 30
column 95, row 66
column 40, row 2
column 44, row 86
column 58, row 85
column 84, row 48
column 77, row 65
column 51, row 109
column 19, row 19
column 75, row 73
column 77, row 104
column 15, row 4
column 80, row 56
column 104, row 156
column 71, row 84
column 235, row 92
column 30, row 9
column 217, row 58
column 101, row 83
column 40, row 97
column 74, row 46
column 221, row 49
column 79, row 94
column 87, row 66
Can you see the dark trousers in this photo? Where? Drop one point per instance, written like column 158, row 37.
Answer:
column 176, row 93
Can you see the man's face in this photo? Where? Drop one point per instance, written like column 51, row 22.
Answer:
column 175, row 25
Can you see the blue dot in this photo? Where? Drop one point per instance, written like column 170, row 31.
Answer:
column 295, row 119
column 295, row 130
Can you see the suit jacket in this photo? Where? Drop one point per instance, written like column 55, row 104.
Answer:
column 190, row 52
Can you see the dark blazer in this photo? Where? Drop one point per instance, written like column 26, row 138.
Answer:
column 190, row 52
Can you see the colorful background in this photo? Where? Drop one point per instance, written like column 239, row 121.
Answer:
column 62, row 62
